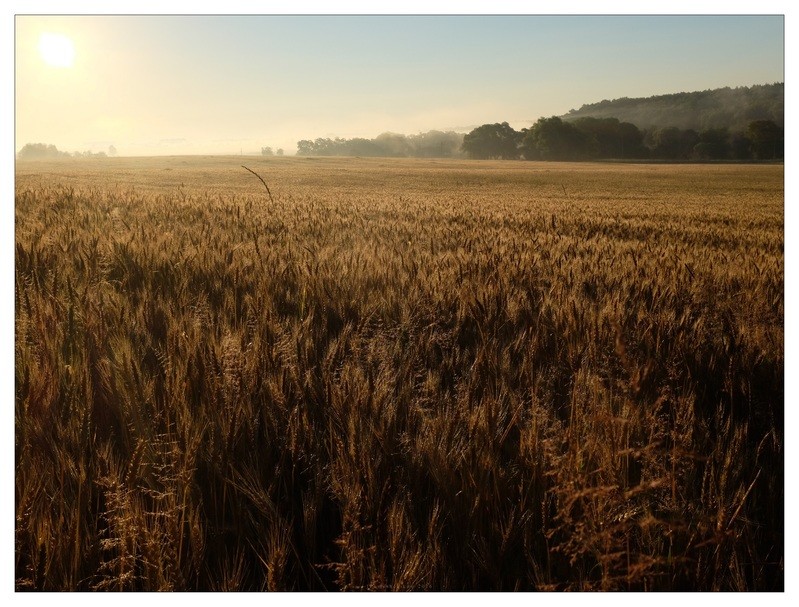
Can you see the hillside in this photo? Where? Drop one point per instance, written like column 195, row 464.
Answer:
column 733, row 108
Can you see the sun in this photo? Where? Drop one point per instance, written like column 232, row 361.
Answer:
column 56, row 50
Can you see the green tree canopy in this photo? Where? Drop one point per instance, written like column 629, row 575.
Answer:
column 768, row 139
column 713, row 144
column 497, row 141
column 554, row 139
column 673, row 143
column 609, row 138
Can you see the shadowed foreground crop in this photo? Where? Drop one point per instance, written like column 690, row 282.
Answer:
column 399, row 375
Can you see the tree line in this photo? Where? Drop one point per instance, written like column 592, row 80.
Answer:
column 591, row 138
column 432, row 144
column 43, row 151
column 586, row 138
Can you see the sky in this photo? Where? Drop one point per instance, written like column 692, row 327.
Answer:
column 153, row 85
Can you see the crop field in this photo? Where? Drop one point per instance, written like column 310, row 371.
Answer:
column 398, row 375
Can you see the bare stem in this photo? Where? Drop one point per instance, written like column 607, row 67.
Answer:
column 262, row 181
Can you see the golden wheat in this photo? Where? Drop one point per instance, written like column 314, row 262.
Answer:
column 404, row 375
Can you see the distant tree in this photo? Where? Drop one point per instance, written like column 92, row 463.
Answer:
column 112, row 151
column 393, row 144
column 671, row 143
column 357, row 147
column 714, row 144
column 322, row 147
column 499, row 141
column 326, row 146
column 609, row 138
column 267, row 151
column 433, row 144
column 757, row 111
column 90, row 154
column 436, row 144
column 554, row 139
column 631, row 141
column 86, row 154
column 305, row 147
column 36, row 151
column 279, row 152
column 767, row 139
column 603, row 141
column 740, row 147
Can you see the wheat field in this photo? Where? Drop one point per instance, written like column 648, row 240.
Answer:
column 398, row 375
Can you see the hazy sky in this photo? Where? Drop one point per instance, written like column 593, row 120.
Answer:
column 190, row 84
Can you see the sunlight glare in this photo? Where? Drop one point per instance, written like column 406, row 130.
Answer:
column 56, row 50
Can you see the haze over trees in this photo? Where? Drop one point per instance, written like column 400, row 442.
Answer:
column 43, row 151
column 40, row 151
column 732, row 108
column 744, row 123
column 432, row 144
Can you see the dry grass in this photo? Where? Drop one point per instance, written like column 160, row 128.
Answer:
column 399, row 375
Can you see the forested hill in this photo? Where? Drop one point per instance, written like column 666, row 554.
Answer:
column 732, row 108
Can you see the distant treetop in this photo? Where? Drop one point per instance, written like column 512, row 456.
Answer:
column 37, row 151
